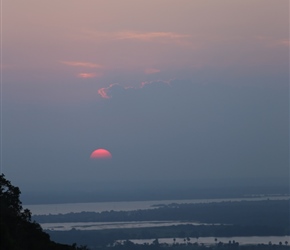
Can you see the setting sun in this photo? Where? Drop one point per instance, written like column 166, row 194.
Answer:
column 101, row 154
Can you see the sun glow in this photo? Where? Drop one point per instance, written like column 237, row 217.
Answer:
column 101, row 154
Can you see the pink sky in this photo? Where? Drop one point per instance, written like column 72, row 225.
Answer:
column 161, row 39
column 152, row 81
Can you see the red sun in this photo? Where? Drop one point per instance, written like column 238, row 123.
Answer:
column 101, row 154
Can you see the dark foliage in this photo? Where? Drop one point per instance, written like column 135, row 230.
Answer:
column 127, row 245
column 17, row 231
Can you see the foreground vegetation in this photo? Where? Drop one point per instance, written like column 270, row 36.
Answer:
column 17, row 231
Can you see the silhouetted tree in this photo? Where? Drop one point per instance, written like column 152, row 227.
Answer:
column 155, row 242
column 17, row 232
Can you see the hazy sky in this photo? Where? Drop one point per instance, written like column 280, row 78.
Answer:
column 175, row 90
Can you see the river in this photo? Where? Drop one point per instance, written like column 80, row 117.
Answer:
column 43, row 209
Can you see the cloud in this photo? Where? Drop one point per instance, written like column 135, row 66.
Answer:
column 163, row 37
column 117, row 89
column 284, row 42
column 151, row 71
column 82, row 64
column 88, row 75
column 148, row 36
column 85, row 65
column 270, row 41
column 106, row 93
column 103, row 92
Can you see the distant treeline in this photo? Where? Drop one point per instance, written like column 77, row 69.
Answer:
column 155, row 245
column 108, row 236
column 195, row 246
column 274, row 213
